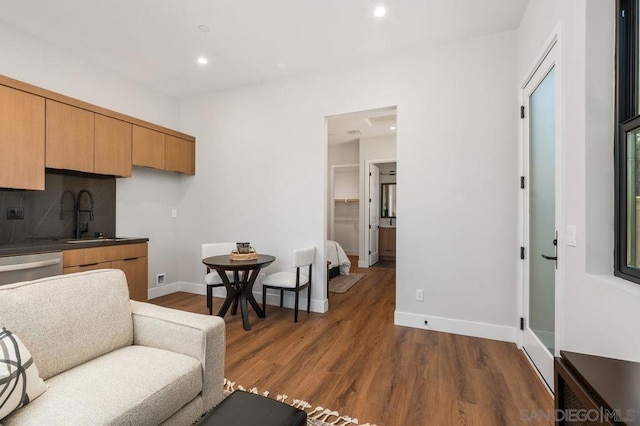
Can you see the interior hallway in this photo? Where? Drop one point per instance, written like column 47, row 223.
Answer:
column 352, row 359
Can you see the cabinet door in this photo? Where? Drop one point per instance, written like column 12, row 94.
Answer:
column 70, row 133
column 136, row 272
column 384, row 239
column 112, row 146
column 148, row 148
column 21, row 139
column 392, row 241
column 180, row 155
column 83, row 268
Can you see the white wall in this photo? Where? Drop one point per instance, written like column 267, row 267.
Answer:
column 600, row 311
column 259, row 181
column 344, row 231
column 144, row 202
column 346, row 218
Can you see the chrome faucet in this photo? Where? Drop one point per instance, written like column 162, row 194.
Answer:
column 79, row 228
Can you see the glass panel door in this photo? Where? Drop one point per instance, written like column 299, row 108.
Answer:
column 541, row 215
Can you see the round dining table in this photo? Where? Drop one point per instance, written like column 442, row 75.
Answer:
column 240, row 291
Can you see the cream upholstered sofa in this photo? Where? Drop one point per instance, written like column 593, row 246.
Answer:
column 111, row 361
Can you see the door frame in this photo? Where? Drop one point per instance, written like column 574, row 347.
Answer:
column 553, row 42
column 364, row 210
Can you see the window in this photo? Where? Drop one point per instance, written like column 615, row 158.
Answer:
column 627, row 147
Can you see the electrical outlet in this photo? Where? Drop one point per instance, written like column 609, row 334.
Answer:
column 160, row 279
column 15, row 213
column 419, row 295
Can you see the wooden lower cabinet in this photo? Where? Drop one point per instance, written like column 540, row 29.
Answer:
column 136, row 272
column 387, row 243
column 130, row 258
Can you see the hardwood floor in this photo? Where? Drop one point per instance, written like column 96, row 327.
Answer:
column 352, row 359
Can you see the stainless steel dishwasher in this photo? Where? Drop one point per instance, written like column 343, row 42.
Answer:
column 28, row 267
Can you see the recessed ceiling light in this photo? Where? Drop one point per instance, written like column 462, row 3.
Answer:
column 203, row 28
column 392, row 128
column 379, row 12
column 202, row 60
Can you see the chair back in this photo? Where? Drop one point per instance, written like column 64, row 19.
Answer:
column 216, row 249
column 303, row 257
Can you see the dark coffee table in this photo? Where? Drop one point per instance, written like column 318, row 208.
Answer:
column 248, row 409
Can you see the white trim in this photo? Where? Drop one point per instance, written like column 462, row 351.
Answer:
column 551, row 52
column 170, row 288
column 552, row 40
column 318, row 306
column 365, row 223
column 456, row 326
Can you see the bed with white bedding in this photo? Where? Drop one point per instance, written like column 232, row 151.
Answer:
column 339, row 263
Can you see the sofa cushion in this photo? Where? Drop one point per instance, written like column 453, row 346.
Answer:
column 20, row 382
column 135, row 385
column 69, row 319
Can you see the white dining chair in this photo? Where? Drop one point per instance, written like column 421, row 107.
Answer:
column 292, row 281
column 212, row 279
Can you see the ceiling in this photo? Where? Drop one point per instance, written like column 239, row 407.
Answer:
column 364, row 124
column 157, row 42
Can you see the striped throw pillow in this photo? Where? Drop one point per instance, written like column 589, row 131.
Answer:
column 20, row 381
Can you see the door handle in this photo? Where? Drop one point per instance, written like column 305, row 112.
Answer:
column 554, row 258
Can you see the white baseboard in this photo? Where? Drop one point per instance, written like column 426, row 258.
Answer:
column 546, row 337
column 320, row 306
column 154, row 292
column 352, row 252
column 455, row 326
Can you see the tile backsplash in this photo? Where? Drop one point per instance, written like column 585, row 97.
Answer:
column 51, row 214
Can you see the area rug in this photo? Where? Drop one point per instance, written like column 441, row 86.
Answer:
column 342, row 283
column 318, row 416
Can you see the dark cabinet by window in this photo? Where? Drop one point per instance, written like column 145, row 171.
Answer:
column 593, row 390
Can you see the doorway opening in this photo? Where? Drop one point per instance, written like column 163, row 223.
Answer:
column 361, row 195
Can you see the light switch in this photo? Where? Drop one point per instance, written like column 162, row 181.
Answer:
column 174, row 213
column 571, row 235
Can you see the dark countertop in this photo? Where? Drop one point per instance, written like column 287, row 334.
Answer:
column 43, row 246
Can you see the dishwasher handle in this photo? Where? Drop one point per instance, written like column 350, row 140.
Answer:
column 29, row 265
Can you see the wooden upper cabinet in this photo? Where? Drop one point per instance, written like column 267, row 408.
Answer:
column 69, row 138
column 22, row 133
column 180, row 155
column 112, row 146
column 148, row 148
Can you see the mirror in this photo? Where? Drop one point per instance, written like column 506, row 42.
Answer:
column 388, row 200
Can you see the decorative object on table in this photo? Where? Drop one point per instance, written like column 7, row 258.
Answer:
column 212, row 279
column 244, row 248
column 20, row 381
column 289, row 281
column 318, row 416
column 343, row 283
column 243, row 251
